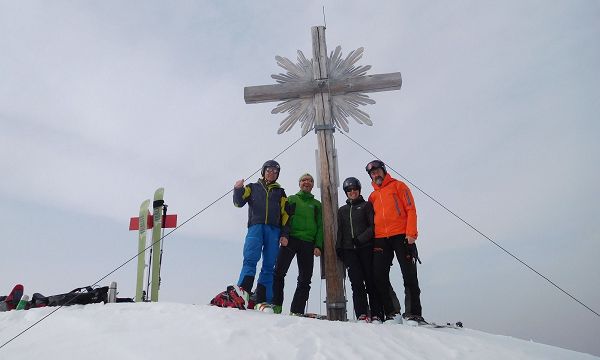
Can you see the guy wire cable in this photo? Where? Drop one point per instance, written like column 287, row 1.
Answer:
column 474, row 228
column 143, row 251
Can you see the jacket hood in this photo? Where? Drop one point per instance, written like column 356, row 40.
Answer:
column 304, row 195
column 271, row 185
column 386, row 180
column 358, row 200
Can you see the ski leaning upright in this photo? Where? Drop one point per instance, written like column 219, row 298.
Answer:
column 143, row 225
column 156, row 232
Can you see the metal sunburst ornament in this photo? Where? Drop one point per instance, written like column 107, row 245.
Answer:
column 343, row 105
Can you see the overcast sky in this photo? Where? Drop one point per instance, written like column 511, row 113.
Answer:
column 103, row 102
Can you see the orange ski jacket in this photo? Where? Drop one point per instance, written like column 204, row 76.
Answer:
column 395, row 211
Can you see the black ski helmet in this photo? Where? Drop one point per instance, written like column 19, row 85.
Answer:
column 351, row 182
column 268, row 164
column 375, row 164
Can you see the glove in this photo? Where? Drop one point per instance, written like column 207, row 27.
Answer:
column 413, row 252
column 291, row 209
column 340, row 253
column 356, row 242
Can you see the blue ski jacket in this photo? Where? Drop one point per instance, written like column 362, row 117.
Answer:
column 266, row 204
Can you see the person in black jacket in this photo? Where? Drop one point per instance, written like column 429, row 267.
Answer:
column 354, row 246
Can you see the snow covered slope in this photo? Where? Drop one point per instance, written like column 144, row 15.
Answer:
column 182, row 331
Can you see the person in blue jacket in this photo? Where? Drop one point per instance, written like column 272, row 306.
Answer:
column 267, row 220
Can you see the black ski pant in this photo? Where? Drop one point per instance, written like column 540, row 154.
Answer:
column 359, row 263
column 383, row 255
column 305, row 259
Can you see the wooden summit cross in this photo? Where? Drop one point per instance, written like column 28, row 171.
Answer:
column 321, row 93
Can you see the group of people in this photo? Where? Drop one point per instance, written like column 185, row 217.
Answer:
column 369, row 234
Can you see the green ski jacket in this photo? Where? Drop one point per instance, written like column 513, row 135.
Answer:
column 306, row 218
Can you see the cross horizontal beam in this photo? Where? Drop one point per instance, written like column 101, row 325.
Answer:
column 294, row 90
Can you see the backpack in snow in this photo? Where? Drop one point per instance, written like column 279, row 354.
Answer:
column 233, row 297
column 80, row 296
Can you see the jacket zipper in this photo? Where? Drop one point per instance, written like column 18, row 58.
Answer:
column 266, row 204
column 351, row 225
column 383, row 212
column 407, row 198
column 395, row 196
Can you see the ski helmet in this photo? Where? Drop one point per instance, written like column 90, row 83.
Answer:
column 375, row 164
column 351, row 182
column 270, row 164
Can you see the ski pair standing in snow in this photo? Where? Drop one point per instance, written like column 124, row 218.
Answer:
column 354, row 247
column 305, row 242
column 267, row 226
column 395, row 232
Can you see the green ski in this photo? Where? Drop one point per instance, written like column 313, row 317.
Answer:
column 143, row 225
column 156, row 232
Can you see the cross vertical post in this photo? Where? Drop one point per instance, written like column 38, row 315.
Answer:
column 334, row 278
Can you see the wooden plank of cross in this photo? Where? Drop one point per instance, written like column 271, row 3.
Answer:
column 321, row 94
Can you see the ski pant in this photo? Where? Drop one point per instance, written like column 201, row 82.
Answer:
column 305, row 259
column 383, row 255
column 360, row 272
column 261, row 239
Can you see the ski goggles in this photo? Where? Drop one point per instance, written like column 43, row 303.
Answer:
column 375, row 164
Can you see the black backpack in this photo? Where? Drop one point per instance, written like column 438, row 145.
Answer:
column 80, row 296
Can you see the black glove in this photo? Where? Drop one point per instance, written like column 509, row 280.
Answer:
column 290, row 209
column 356, row 242
column 340, row 253
column 413, row 252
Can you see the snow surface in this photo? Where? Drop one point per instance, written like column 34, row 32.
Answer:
column 182, row 331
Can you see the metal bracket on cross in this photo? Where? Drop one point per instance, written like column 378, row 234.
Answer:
column 324, row 127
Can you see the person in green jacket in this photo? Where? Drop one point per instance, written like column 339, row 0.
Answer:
column 305, row 240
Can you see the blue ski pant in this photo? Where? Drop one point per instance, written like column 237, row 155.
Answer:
column 262, row 239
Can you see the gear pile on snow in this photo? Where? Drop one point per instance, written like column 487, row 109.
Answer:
column 80, row 296
column 233, row 297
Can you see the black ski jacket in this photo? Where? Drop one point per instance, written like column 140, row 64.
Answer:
column 355, row 221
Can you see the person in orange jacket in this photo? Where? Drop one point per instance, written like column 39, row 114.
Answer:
column 395, row 232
